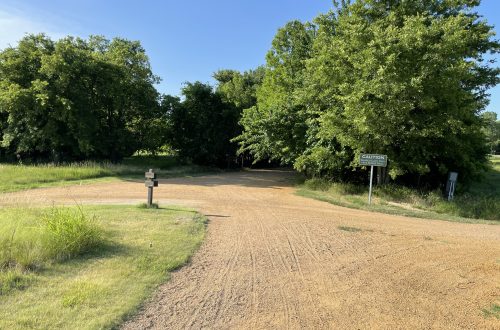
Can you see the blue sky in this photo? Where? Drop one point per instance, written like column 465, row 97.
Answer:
column 186, row 40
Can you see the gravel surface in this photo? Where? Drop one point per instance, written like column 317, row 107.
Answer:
column 272, row 259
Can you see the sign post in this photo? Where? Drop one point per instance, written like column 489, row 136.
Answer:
column 372, row 160
column 370, row 191
column 150, row 182
column 450, row 185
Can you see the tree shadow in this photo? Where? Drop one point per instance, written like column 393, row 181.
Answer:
column 267, row 178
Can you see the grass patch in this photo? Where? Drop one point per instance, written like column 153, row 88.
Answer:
column 15, row 177
column 104, row 287
column 480, row 205
column 493, row 311
column 145, row 206
column 53, row 235
column 13, row 279
column 350, row 229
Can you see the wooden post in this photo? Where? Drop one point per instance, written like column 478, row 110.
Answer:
column 150, row 196
column 150, row 183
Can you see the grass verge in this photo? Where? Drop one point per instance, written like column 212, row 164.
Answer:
column 15, row 177
column 51, row 235
column 102, row 288
column 480, row 205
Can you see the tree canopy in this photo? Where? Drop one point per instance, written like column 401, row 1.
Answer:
column 76, row 99
column 402, row 78
column 202, row 125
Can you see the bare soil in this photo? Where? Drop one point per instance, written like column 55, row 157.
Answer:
column 272, row 259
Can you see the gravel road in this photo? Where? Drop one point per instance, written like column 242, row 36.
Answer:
column 272, row 259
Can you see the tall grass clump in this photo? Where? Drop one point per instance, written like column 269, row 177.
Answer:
column 321, row 184
column 68, row 233
column 53, row 235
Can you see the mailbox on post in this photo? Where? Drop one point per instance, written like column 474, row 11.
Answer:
column 150, row 182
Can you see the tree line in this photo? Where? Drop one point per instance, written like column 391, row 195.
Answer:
column 402, row 78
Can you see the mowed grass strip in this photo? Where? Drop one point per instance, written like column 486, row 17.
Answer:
column 102, row 288
column 15, row 177
column 481, row 204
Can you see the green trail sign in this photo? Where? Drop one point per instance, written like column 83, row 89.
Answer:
column 373, row 160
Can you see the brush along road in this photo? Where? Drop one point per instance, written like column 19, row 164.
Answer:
column 272, row 259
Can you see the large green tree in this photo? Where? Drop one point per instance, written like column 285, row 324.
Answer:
column 275, row 128
column 403, row 78
column 202, row 125
column 492, row 131
column 77, row 99
column 238, row 88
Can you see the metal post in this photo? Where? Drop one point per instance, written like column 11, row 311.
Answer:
column 150, row 196
column 370, row 192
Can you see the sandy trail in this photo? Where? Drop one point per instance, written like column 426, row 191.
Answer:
column 272, row 259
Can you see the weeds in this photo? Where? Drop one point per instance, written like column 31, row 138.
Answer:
column 481, row 202
column 55, row 235
column 145, row 206
column 493, row 311
column 350, row 229
column 13, row 279
column 68, row 233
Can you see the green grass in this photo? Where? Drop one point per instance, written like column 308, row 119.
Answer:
column 350, row 229
column 145, row 206
column 54, row 234
column 14, row 177
column 481, row 204
column 104, row 287
column 493, row 311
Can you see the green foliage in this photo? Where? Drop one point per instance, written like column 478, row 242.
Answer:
column 349, row 229
column 482, row 201
column 145, row 206
column 276, row 127
column 402, row 78
column 202, row 126
column 492, row 311
column 239, row 89
column 77, row 99
column 55, row 235
column 68, row 233
column 13, row 279
column 491, row 130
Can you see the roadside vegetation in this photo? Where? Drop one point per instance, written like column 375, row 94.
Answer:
column 14, row 177
column 91, row 267
column 480, row 203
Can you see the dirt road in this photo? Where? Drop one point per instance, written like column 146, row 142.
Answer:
column 275, row 260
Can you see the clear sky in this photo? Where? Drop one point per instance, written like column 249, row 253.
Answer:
column 186, row 40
